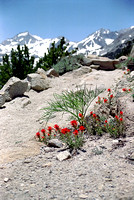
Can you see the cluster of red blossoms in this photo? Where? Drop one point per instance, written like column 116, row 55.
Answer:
column 74, row 124
column 105, row 100
column 128, row 72
column 119, row 118
column 44, row 134
column 126, row 90
column 94, row 115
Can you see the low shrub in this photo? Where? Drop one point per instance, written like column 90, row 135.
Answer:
column 68, row 63
column 129, row 63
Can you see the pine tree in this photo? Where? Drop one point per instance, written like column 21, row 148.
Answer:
column 5, row 71
column 21, row 62
column 54, row 55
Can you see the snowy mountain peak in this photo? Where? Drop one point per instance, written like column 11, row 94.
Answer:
column 131, row 27
column 103, row 31
column 98, row 43
column 23, row 34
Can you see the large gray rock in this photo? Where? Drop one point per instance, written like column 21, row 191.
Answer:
column 86, row 61
column 104, row 63
column 2, row 98
column 41, row 72
column 52, row 72
column 132, row 52
column 37, row 82
column 97, row 67
column 128, row 112
column 14, row 88
column 123, row 58
column 82, row 70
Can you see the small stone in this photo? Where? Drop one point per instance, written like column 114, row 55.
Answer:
column 100, row 186
column 83, row 196
column 108, row 178
column 131, row 157
column 46, row 149
column 27, row 161
column 47, row 164
column 26, row 191
column 32, row 185
column 6, row 180
column 55, row 143
column 115, row 142
column 2, row 167
column 63, row 155
column 25, row 102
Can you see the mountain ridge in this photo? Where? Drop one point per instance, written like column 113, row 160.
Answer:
column 100, row 42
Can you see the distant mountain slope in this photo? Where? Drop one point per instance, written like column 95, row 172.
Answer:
column 101, row 42
column 119, row 43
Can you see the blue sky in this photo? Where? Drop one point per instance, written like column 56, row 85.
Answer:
column 74, row 19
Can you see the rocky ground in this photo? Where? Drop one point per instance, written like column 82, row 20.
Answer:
column 103, row 170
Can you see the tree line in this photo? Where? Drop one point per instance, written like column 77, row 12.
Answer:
column 20, row 63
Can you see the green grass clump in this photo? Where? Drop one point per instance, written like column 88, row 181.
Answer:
column 72, row 102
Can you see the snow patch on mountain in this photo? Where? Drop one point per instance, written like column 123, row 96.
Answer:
column 109, row 41
column 23, row 34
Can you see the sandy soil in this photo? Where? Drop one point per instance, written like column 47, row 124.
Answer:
column 18, row 125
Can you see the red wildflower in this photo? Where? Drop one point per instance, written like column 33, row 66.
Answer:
column 116, row 117
column 129, row 90
column 105, row 100
column 49, row 129
column 121, row 119
column 54, row 135
column 128, row 70
column 99, row 100
column 105, row 121
column 56, row 127
column 124, row 89
column 105, row 125
column 94, row 115
column 109, row 90
column 38, row 134
column 111, row 96
column 43, row 131
column 80, row 115
column 65, row 130
column 81, row 128
column 48, row 134
column 74, row 123
column 121, row 113
column 91, row 113
column 43, row 137
column 75, row 132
